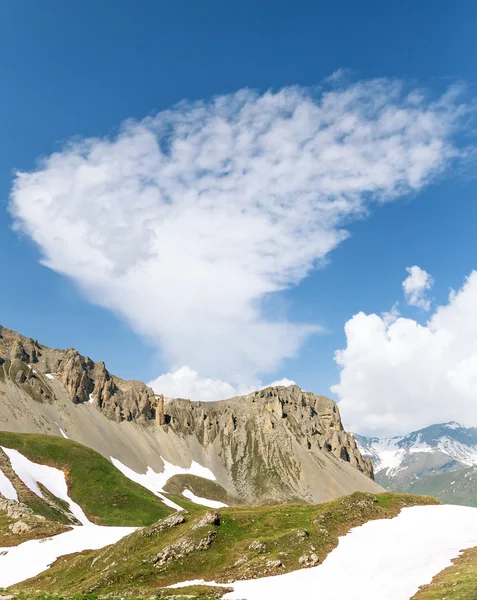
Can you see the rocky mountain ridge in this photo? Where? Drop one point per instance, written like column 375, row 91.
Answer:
column 296, row 438
column 439, row 459
column 83, row 379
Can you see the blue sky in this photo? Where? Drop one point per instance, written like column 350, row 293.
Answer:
column 81, row 69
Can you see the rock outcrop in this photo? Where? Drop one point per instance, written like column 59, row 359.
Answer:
column 83, row 379
column 278, row 444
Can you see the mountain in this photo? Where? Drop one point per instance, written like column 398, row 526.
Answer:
column 440, row 460
column 279, row 444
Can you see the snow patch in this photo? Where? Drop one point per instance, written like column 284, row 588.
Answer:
column 155, row 482
column 50, row 375
column 6, row 487
column 168, row 502
column 150, row 480
column 61, row 431
column 386, row 454
column 464, row 453
column 182, row 584
column 408, row 551
column 31, row 558
column 453, row 425
column 91, row 399
column 203, row 501
column 53, row 479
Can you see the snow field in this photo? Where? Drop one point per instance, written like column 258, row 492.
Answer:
column 31, row 558
column 388, row 558
column 155, row 482
column 32, row 473
column 203, row 501
column 6, row 487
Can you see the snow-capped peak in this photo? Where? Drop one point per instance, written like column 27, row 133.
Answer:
column 451, row 439
column 453, row 425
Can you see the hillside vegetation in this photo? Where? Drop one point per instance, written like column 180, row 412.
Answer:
column 104, row 493
column 457, row 582
column 224, row 545
column 453, row 487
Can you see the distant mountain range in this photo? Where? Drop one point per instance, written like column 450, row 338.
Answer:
column 440, row 460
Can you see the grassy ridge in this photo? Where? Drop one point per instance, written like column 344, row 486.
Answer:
column 452, row 487
column 457, row 582
column 38, row 530
column 282, row 533
column 201, row 487
column 103, row 492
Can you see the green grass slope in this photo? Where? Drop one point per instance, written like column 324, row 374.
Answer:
column 103, row 492
column 37, row 530
column 452, row 487
column 204, row 488
column 248, row 542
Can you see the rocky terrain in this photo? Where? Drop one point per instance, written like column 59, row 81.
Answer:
column 278, row 444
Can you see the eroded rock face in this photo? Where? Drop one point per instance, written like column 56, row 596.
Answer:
column 74, row 371
column 296, row 438
column 83, row 380
column 258, row 431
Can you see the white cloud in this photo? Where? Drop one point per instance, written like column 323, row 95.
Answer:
column 398, row 376
column 415, row 286
column 187, row 383
column 183, row 223
column 391, row 316
column 281, row 382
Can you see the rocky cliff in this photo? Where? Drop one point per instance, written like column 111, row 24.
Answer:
column 277, row 444
column 84, row 380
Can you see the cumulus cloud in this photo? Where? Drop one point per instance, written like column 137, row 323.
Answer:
column 416, row 285
column 185, row 222
column 187, row 383
column 284, row 382
column 398, row 376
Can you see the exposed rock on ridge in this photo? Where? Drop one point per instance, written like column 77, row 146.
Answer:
column 253, row 425
column 83, row 379
column 279, row 444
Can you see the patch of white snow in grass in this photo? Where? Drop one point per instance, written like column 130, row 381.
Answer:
column 195, row 469
column 155, row 482
column 182, row 584
column 50, row 375
column 32, row 474
column 91, row 399
column 31, row 558
column 150, row 480
column 388, row 558
column 203, row 501
column 6, row 487
column 168, row 502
